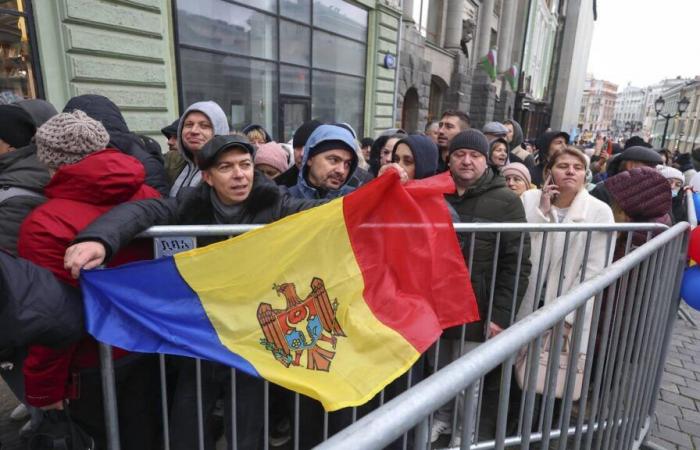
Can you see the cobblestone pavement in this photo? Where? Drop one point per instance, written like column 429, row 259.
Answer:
column 677, row 424
column 9, row 430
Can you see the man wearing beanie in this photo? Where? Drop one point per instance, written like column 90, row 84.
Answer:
column 88, row 180
column 271, row 159
column 328, row 163
column 173, row 160
column 482, row 196
column 232, row 192
column 301, row 135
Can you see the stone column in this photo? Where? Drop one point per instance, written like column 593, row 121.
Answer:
column 408, row 11
column 453, row 25
column 506, row 33
column 484, row 28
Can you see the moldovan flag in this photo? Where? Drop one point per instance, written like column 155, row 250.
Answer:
column 334, row 302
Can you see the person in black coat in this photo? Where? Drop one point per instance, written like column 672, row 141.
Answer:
column 103, row 109
column 225, row 161
column 22, row 176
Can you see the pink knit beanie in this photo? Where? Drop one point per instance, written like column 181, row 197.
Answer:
column 273, row 155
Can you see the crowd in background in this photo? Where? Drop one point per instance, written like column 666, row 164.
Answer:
column 77, row 187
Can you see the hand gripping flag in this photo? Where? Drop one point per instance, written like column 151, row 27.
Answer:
column 334, row 302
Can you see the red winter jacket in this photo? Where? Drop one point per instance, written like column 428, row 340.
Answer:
column 77, row 194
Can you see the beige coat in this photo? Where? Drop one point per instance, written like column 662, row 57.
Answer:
column 584, row 209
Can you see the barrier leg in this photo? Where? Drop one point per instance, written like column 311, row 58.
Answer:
column 109, row 395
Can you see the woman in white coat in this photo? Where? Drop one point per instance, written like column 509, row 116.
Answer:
column 564, row 199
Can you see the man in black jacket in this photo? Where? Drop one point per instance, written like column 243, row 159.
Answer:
column 482, row 196
column 232, row 193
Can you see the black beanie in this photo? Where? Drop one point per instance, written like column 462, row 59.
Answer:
column 16, row 126
column 636, row 141
column 302, row 134
column 470, row 139
column 332, row 144
column 170, row 130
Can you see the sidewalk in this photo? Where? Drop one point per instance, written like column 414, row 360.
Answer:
column 677, row 424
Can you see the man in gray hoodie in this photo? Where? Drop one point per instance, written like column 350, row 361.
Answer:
column 200, row 122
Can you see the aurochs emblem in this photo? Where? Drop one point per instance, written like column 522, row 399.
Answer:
column 301, row 326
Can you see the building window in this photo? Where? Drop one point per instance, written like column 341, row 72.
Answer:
column 428, row 17
column 18, row 68
column 259, row 58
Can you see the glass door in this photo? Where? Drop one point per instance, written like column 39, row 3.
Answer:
column 293, row 112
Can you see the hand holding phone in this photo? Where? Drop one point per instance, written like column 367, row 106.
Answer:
column 550, row 191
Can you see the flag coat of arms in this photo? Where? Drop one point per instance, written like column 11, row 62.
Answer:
column 334, row 302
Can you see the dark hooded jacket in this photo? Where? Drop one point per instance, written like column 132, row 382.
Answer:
column 424, row 153
column 543, row 143
column 324, row 133
column 376, row 150
column 103, row 109
column 192, row 206
column 255, row 126
column 517, row 153
column 489, row 200
column 21, row 169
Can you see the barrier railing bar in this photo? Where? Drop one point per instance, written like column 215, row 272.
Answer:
column 400, row 414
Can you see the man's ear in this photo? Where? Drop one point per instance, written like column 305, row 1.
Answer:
column 309, row 161
column 206, row 176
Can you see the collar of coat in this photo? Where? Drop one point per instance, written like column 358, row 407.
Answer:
column 489, row 180
column 578, row 208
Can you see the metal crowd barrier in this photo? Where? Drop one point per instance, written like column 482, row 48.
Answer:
column 620, row 378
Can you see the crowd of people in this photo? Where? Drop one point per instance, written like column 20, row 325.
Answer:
column 77, row 187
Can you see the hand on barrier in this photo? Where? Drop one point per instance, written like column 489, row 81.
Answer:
column 84, row 255
column 494, row 329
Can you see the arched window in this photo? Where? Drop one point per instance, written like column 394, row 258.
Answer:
column 409, row 112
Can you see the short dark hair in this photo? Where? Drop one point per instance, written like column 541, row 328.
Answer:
column 429, row 124
column 366, row 142
column 463, row 117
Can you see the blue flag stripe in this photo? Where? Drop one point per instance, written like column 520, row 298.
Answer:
column 148, row 307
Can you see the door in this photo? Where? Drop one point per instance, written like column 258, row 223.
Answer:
column 293, row 112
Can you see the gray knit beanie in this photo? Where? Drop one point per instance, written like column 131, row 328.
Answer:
column 68, row 137
column 470, row 139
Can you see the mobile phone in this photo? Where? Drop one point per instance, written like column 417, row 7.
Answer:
column 610, row 148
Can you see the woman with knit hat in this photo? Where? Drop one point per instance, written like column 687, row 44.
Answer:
column 676, row 180
column 87, row 181
column 517, row 177
column 271, row 159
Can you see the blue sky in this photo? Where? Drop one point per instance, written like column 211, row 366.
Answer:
column 645, row 41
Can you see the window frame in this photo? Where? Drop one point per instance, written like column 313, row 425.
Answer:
column 278, row 61
column 28, row 15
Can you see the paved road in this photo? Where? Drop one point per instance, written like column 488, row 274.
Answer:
column 678, row 408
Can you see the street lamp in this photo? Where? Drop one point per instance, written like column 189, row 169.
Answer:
column 659, row 106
